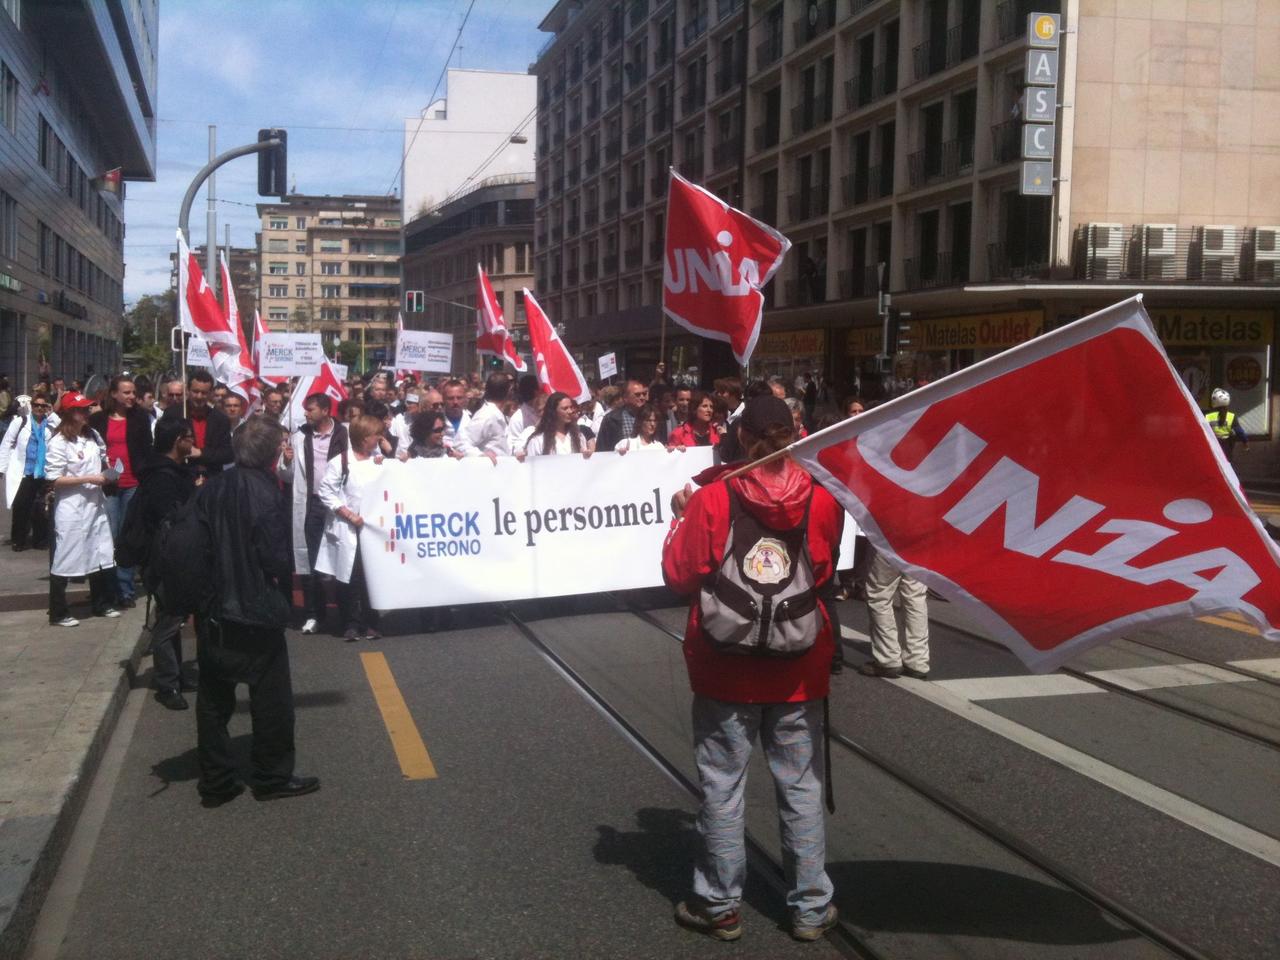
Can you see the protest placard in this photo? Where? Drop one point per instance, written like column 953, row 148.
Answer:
column 425, row 350
column 290, row 355
column 608, row 366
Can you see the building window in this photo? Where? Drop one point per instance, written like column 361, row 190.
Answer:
column 277, row 268
column 277, row 246
column 330, row 246
column 278, row 316
column 331, row 269
column 8, row 226
column 331, row 291
column 300, row 291
column 300, row 246
column 391, row 223
column 300, row 268
column 330, row 221
column 43, row 250
column 278, row 223
column 331, row 314
column 278, row 290
column 8, row 100
column 300, row 222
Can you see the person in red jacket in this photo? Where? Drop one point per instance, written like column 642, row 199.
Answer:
column 738, row 697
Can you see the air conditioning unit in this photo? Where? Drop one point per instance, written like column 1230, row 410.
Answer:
column 1160, row 251
column 1266, row 254
column 1106, row 251
column 1219, row 253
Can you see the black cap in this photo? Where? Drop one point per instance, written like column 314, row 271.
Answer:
column 762, row 413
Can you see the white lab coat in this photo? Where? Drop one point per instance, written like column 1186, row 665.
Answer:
column 13, row 452
column 521, row 424
column 457, row 439
column 81, row 534
column 337, row 554
column 301, row 487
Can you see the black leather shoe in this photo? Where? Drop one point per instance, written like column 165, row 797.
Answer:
column 126, row 603
column 190, row 684
column 211, row 801
column 171, row 700
column 296, row 787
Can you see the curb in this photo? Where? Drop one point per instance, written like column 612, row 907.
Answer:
column 33, row 843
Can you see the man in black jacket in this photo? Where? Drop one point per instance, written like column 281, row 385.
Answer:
column 212, row 451
column 242, row 637
column 620, row 422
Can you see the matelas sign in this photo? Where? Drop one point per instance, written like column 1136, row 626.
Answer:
column 467, row 531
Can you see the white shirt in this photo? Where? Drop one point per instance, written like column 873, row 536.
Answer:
column 457, row 439
column 534, row 446
column 627, row 444
column 521, row 421
column 487, row 431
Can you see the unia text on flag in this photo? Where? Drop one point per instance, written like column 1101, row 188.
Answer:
column 556, row 368
column 717, row 260
column 247, row 384
column 202, row 316
column 1034, row 490
column 492, row 336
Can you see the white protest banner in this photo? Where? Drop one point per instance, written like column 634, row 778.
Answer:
column 341, row 370
column 446, row 531
column 290, row 355
column 198, row 353
column 608, row 366
column 425, row 350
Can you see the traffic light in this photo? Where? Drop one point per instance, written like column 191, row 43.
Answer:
column 897, row 332
column 414, row 301
column 273, row 164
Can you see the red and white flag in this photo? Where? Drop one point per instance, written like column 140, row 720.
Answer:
column 717, row 260
column 326, row 381
column 555, row 365
column 247, row 385
column 202, row 316
column 1040, row 500
column 492, row 336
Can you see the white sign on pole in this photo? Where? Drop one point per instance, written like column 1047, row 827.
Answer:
column 443, row 531
column 1037, row 141
column 198, row 353
column 1042, row 68
column 427, row 350
column 341, row 369
column 290, row 354
column 608, row 366
column 1040, row 105
column 1042, row 29
column 1037, row 178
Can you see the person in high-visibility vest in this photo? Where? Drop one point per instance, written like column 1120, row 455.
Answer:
column 1225, row 424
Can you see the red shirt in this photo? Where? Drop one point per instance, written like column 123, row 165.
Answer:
column 199, row 425
column 695, row 549
column 118, row 449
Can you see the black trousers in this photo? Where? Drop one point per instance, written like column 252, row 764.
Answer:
column 166, row 650
column 353, row 598
column 230, row 654
column 315, row 593
column 102, row 593
column 28, row 517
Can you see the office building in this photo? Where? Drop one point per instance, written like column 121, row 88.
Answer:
column 331, row 264
column 891, row 131
column 77, row 101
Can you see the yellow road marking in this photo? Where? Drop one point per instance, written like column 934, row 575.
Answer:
column 415, row 762
column 1231, row 624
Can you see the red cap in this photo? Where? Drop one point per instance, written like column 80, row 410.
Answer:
column 74, row 401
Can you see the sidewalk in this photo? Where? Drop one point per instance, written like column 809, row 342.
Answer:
column 61, row 691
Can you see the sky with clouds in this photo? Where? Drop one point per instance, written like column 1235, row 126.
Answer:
column 340, row 75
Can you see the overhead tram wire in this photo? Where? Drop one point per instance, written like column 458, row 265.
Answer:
column 431, row 99
column 377, row 60
column 992, row 831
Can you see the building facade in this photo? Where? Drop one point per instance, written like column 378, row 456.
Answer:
column 331, row 264
column 890, row 131
column 481, row 129
column 491, row 226
column 77, row 99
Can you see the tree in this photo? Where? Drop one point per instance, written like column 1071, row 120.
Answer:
column 150, row 320
column 300, row 319
column 154, row 360
column 348, row 353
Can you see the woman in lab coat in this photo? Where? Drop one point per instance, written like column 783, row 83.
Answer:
column 81, row 542
column 341, row 491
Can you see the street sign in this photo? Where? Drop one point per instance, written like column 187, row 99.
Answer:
column 1037, row 141
column 1037, row 178
column 1040, row 105
column 1042, row 30
column 1042, row 68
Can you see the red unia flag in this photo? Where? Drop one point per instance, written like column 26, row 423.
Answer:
column 492, row 336
column 326, row 381
column 247, row 385
column 717, row 259
column 1061, row 493
column 555, row 366
column 202, row 316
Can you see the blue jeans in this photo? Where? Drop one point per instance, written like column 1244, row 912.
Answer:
column 791, row 734
column 117, row 506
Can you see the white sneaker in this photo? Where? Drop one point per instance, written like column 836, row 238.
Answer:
column 111, row 613
column 309, row 626
column 67, row 622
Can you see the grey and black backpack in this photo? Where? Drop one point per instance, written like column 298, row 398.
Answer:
column 762, row 601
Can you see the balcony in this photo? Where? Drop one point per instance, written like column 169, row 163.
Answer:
column 575, row 71
column 557, row 91
column 769, row 52
column 557, row 184
column 807, row 205
column 1015, row 262
column 810, row 114
column 657, row 250
column 1162, row 252
column 727, row 8
column 592, row 163
column 593, row 52
column 636, row 13
column 1006, row 142
column 727, row 78
column 768, row 133
column 611, row 207
column 662, row 55
column 571, row 277
column 610, row 264
column 1011, row 17
column 932, row 270
column 858, row 282
column 691, row 167
column 695, row 28
column 611, row 150
column 636, row 73
column 614, row 36
column 726, row 154
column 635, row 197
column 661, row 120
column 555, row 280
column 557, row 233
column 635, row 134
column 571, row 226
column 805, row 291
column 591, row 216
column 869, row 87
column 804, row 30
column 632, row 257
column 593, row 110
column 658, row 186
column 575, row 124
column 940, row 162
column 544, row 194
column 941, row 53
column 612, row 94
column 574, row 175
column 542, row 237
column 557, row 138
column 590, row 269
column 695, row 99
